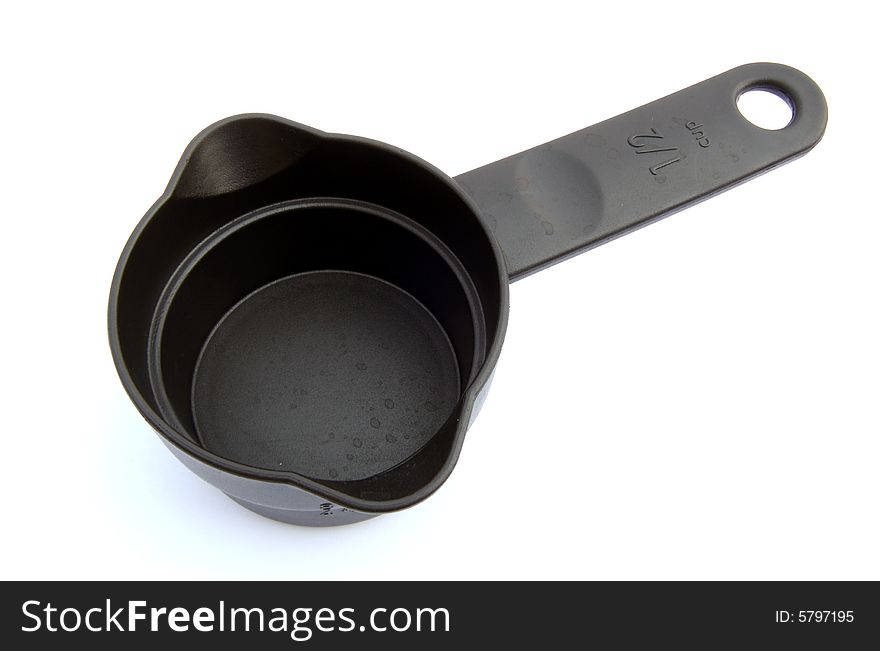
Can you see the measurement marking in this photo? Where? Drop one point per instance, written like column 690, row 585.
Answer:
column 636, row 141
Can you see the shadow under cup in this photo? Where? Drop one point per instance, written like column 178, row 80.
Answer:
column 327, row 337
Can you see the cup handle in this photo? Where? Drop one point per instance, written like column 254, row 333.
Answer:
column 587, row 188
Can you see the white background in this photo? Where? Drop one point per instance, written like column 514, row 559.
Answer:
column 696, row 400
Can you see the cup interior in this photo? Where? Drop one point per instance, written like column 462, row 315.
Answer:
column 329, row 337
column 271, row 226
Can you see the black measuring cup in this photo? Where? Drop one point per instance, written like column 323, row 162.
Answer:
column 311, row 321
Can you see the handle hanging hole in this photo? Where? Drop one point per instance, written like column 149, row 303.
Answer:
column 766, row 107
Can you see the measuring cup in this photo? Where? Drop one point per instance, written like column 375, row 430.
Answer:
column 311, row 321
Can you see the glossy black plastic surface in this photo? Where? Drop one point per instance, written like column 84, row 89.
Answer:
column 257, row 199
column 271, row 367
column 579, row 191
column 284, row 343
column 311, row 321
